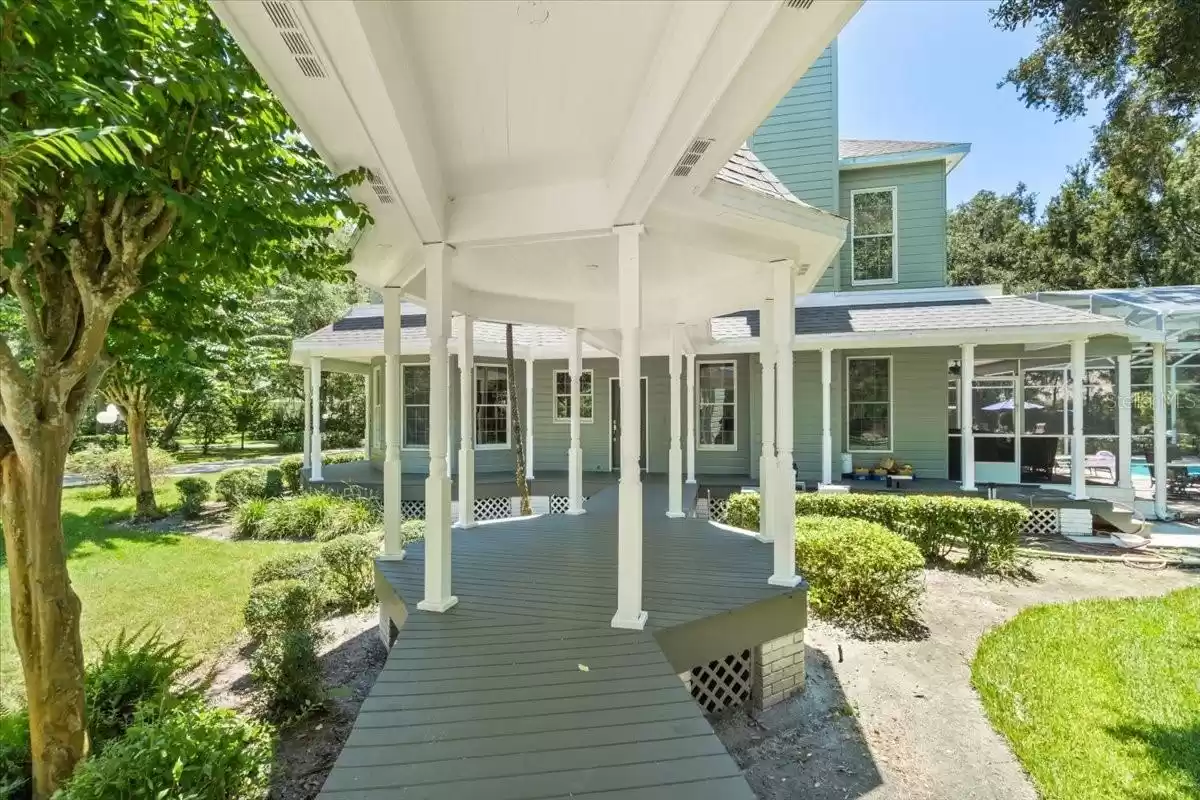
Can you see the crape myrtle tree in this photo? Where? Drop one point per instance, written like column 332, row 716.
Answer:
column 123, row 124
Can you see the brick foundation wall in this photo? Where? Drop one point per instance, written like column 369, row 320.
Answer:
column 778, row 670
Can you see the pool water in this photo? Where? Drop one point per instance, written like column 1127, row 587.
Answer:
column 1142, row 469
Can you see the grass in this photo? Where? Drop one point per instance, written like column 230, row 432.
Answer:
column 1100, row 699
column 191, row 587
column 191, row 453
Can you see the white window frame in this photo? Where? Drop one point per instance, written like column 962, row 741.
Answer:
column 854, row 281
column 507, row 417
column 891, row 402
column 404, row 445
column 737, row 397
column 554, row 395
column 378, row 423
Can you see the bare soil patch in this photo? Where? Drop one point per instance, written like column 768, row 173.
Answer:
column 214, row 522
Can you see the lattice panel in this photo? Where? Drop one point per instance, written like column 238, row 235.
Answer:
column 412, row 509
column 714, row 506
column 723, row 684
column 559, row 504
column 1042, row 522
column 492, row 508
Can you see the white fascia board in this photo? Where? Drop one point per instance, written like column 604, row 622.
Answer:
column 774, row 209
column 529, row 214
column 916, row 297
column 951, row 154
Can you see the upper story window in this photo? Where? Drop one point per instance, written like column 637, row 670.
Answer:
column 491, row 406
column 873, row 236
column 562, row 395
column 717, row 415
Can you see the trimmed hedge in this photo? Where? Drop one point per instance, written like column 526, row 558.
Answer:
column 290, row 467
column 277, row 606
column 239, row 485
column 193, row 493
column 306, row 567
column 349, row 564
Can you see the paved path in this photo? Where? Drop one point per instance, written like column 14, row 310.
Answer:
column 197, row 468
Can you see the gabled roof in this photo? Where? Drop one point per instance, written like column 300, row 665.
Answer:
column 744, row 169
column 859, row 153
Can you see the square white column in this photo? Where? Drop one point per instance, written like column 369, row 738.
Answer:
column 767, row 455
column 306, row 459
column 826, row 416
column 367, row 415
column 575, row 451
column 784, row 523
column 966, row 416
column 630, row 613
column 315, row 456
column 675, row 453
column 393, row 517
column 1159, row 370
column 437, row 486
column 1078, row 443
column 466, row 425
column 690, row 358
column 529, row 419
column 1124, row 422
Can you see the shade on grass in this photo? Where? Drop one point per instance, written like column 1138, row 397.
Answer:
column 191, row 587
column 1100, row 699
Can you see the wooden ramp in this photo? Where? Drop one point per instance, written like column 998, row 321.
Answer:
column 524, row 691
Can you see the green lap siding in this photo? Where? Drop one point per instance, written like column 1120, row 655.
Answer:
column 551, row 438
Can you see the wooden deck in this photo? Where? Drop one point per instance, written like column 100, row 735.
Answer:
column 524, row 691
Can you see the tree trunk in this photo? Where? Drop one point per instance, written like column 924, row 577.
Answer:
column 143, row 481
column 514, row 408
column 174, row 420
column 45, row 610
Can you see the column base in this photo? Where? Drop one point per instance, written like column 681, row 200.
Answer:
column 790, row 581
column 690, row 480
column 438, row 606
column 391, row 556
column 676, row 515
column 635, row 622
column 575, row 512
column 465, row 525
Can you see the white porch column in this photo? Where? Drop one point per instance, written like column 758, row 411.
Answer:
column 784, row 536
column 575, row 452
column 1159, row 362
column 690, row 360
column 449, row 394
column 1124, row 422
column 826, row 415
column 393, row 543
column 529, row 419
column 675, row 454
column 466, row 425
column 766, row 456
column 1078, row 443
column 306, row 459
column 316, row 457
column 630, row 613
column 437, row 485
column 367, row 415
column 966, row 416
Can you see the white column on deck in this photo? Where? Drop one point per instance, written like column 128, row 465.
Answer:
column 1078, row 443
column 630, row 613
column 307, row 414
column 1172, row 399
column 1124, row 422
column 449, row 394
column 784, row 486
column 529, row 418
column 575, row 451
column 315, row 456
column 1159, row 363
column 466, row 425
column 367, row 415
column 966, row 416
column 675, row 454
column 393, row 543
column 437, row 485
column 826, row 415
column 690, row 359
column 766, row 456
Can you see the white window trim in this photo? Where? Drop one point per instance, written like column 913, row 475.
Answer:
column 404, row 445
column 891, row 403
column 737, row 399
column 854, row 281
column 507, row 395
column 554, row 397
column 378, row 423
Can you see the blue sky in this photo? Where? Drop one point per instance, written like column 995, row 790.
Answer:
column 928, row 69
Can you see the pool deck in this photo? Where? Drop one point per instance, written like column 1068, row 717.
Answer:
column 523, row 690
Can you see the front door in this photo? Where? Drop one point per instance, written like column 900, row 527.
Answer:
column 614, row 416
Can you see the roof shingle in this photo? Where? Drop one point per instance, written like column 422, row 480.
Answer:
column 861, row 148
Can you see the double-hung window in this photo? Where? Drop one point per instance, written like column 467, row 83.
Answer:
column 869, row 404
column 873, row 236
column 716, row 427
column 416, row 405
column 491, row 406
column 562, row 395
column 378, row 434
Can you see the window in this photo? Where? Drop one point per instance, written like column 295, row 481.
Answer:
column 378, row 435
column 416, row 405
column 562, row 395
column 869, row 404
column 873, row 236
column 491, row 406
column 717, row 417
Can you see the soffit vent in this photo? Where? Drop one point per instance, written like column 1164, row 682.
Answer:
column 691, row 157
column 381, row 189
column 800, row 5
column 294, row 37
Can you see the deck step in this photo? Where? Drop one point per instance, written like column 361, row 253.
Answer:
column 1121, row 518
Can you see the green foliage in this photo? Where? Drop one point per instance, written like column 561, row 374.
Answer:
column 860, row 574
column 341, row 439
column 190, row 751
column 290, row 467
column 273, row 482
column 318, row 516
column 741, row 510
column 103, row 441
column 238, row 485
column 16, row 758
column 282, row 605
column 344, row 458
column 306, row 567
column 128, row 674
column 193, row 494
column 114, row 468
column 411, row 530
column 248, row 519
column 350, row 561
column 289, row 674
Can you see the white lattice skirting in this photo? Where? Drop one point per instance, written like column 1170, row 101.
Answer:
column 1041, row 522
column 490, row 508
column 713, row 508
column 724, row 683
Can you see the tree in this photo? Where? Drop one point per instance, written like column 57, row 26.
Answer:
column 992, row 238
column 198, row 148
column 514, row 408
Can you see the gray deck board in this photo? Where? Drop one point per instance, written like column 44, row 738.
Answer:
column 523, row 691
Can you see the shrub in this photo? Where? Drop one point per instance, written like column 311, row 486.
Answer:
column 411, row 530
column 860, row 574
column 114, row 468
column 344, row 458
column 741, row 510
column 307, row 567
column 337, row 440
column 16, row 756
column 288, row 671
column 350, row 563
column 318, row 516
column 236, row 486
column 273, row 482
column 127, row 675
column 248, row 519
column 290, row 441
column 190, row 751
column 193, row 493
column 290, row 467
column 278, row 606
column 104, row 441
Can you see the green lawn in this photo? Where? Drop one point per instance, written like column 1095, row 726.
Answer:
column 190, row 453
column 1100, row 699
column 193, row 588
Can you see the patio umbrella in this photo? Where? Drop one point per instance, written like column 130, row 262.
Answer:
column 1008, row 405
